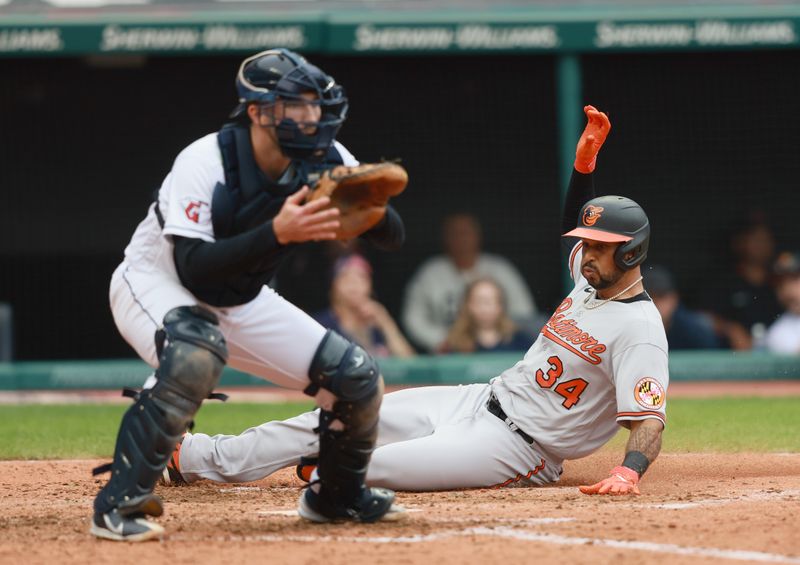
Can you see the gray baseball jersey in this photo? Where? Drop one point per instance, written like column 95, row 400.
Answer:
column 595, row 364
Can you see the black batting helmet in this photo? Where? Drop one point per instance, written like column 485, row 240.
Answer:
column 616, row 219
column 281, row 73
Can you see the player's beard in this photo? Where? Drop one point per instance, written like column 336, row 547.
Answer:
column 602, row 281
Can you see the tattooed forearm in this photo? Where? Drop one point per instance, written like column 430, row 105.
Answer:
column 645, row 438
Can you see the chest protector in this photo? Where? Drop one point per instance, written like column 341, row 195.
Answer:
column 248, row 198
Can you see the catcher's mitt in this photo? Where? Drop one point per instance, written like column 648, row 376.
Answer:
column 360, row 193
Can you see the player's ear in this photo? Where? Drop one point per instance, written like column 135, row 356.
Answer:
column 253, row 113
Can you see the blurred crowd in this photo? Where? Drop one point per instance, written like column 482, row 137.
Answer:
column 753, row 305
column 466, row 300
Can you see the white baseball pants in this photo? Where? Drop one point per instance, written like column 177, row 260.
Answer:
column 268, row 337
column 429, row 438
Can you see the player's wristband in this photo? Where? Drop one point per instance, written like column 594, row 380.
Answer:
column 637, row 461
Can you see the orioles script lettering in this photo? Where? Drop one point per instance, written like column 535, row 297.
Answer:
column 566, row 333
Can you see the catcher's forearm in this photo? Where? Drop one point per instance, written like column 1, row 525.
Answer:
column 200, row 263
column 389, row 234
column 644, row 444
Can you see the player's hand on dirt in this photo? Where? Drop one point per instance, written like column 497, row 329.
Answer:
column 621, row 481
column 592, row 138
column 297, row 222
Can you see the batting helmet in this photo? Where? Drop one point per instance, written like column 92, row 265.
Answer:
column 283, row 74
column 616, row 219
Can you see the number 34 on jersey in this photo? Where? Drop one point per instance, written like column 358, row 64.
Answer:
column 570, row 390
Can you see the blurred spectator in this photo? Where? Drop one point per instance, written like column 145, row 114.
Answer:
column 356, row 315
column 483, row 325
column 435, row 290
column 784, row 335
column 685, row 329
column 743, row 303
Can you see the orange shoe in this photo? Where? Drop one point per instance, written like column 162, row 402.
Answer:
column 171, row 476
column 306, row 467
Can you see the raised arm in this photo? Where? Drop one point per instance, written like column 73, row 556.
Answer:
column 581, row 185
column 644, row 445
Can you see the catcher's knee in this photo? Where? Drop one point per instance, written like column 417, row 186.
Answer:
column 345, row 369
column 192, row 356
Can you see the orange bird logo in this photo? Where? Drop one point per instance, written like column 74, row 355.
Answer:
column 591, row 215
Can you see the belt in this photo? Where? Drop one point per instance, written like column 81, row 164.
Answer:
column 493, row 406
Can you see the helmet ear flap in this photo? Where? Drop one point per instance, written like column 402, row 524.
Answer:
column 636, row 247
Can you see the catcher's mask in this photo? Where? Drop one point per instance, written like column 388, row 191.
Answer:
column 280, row 73
column 616, row 219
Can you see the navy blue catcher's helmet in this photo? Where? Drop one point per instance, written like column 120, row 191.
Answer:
column 281, row 73
column 616, row 219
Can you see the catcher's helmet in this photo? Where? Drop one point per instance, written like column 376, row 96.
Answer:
column 616, row 219
column 281, row 73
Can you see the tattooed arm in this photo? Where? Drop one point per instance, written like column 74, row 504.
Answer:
column 645, row 439
column 643, row 447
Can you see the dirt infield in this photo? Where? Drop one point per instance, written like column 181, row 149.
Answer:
column 695, row 508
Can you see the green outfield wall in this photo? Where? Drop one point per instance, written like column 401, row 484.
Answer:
column 450, row 369
column 514, row 29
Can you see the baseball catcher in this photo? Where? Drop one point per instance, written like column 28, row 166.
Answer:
column 191, row 294
column 599, row 363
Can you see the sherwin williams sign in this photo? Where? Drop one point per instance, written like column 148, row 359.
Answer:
column 573, row 36
column 368, row 37
column 156, row 38
column 333, row 35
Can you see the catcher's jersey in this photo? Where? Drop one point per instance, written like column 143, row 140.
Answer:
column 185, row 198
column 589, row 369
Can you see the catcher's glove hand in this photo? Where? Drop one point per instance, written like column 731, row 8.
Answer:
column 360, row 193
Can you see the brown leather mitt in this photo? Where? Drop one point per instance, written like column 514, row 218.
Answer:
column 360, row 193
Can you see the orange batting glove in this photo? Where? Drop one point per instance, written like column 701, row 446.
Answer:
column 621, row 481
column 591, row 140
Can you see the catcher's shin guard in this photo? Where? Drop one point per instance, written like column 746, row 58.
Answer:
column 352, row 375
column 191, row 363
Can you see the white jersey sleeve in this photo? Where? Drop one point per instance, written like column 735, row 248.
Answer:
column 641, row 378
column 185, row 196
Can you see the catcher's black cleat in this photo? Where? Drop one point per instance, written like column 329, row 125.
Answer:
column 374, row 504
column 135, row 527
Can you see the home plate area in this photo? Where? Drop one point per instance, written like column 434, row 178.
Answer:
column 694, row 508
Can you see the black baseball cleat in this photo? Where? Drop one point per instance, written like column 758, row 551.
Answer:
column 375, row 504
column 128, row 522
column 117, row 527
